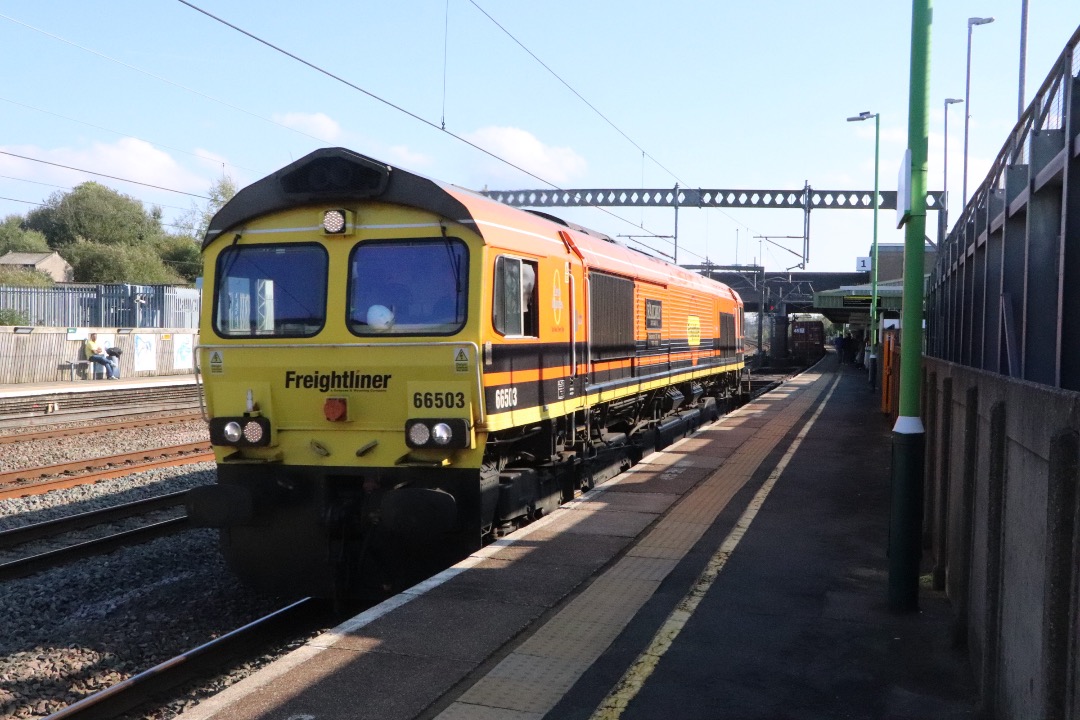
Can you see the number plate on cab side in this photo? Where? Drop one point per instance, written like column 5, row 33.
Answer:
column 439, row 399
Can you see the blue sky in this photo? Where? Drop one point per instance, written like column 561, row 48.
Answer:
column 715, row 94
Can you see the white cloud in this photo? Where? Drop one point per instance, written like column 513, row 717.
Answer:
column 520, row 147
column 127, row 159
column 318, row 125
column 406, row 158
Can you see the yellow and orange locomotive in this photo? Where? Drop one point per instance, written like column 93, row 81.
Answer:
column 395, row 369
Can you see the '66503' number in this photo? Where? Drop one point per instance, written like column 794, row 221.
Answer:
column 506, row 398
column 438, row 400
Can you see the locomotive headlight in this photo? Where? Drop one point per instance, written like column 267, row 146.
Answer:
column 253, row 432
column 246, row 431
column 437, row 433
column 442, row 434
column 336, row 222
column 419, row 434
column 232, row 431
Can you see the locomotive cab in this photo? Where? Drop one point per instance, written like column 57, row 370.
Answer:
column 342, row 391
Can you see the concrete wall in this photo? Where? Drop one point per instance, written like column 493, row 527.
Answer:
column 1001, row 521
column 41, row 355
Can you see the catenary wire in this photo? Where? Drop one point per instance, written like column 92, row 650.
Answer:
column 111, row 177
column 68, row 187
column 28, row 202
column 158, row 77
column 644, row 154
column 196, row 92
column 123, row 134
column 390, row 104
column 571, row 89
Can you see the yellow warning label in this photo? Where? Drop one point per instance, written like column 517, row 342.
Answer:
column 217, row 363
column 693, row 330
column 461, row 360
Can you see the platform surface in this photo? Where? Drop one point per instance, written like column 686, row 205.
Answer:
column 740, row 573
column 14, row 390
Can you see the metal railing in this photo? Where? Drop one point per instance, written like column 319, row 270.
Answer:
column 1002, row 296
column 84, row 305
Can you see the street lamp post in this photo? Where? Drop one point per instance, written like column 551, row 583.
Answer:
column 972, row 22
column 944, row 212
column 874, row 251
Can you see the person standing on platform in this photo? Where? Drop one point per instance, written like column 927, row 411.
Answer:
column 96, row 354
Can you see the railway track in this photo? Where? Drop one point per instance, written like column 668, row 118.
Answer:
column 67, row 406
column 206, row 660
column 58, row 433
column 38, row 562
column 34, row 481
column 61, row 556
column 51, row 528
column 302, row 616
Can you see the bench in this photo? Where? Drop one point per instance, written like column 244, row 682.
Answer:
column 91, row 369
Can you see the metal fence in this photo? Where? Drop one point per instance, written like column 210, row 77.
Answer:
column 79, row 305
column 1003, row 294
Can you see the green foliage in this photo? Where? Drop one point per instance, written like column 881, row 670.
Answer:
column 12, row 317
column 97, row 214
column 111, row 238
column 140, row 265
column 13, row 238
column 21, row 277
column 195, row 221
column 182, row 255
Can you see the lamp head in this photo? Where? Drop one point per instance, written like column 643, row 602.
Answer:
column 862, row 116
column 979, row 21
column 952, row 101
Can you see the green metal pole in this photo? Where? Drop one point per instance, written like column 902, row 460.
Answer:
column 909, row 436
column 874, row 265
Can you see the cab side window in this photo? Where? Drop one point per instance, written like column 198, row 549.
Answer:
column 515, row 297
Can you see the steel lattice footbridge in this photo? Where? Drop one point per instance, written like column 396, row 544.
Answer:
column 805, row 198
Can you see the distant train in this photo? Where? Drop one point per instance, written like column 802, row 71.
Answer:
column 807, row 340
column 397, row 369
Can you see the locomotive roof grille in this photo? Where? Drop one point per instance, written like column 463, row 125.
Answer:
column 333, row 176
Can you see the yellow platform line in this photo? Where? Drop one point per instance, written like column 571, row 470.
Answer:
column 635, row 677
column 532, row 679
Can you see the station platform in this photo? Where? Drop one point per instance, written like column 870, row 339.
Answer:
column 739, row 573
column 17, row 390
column 29, row 405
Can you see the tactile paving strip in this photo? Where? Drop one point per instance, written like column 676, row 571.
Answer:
column 532, row 679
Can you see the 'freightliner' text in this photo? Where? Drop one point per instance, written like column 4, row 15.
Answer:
column 334, row 380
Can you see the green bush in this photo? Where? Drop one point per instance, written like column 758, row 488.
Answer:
column 21, row 277
column 12, row 317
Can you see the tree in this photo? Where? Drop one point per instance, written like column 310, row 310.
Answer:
column 137, row 264
column 13, row 238
column 97, row 214
column 197, row 220
column 181, row 254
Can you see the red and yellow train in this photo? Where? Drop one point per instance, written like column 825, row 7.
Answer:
column 395, row 369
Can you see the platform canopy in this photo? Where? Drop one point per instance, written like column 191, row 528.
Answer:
column 851, row 303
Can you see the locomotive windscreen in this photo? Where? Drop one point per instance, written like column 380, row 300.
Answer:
column 270, row 290
column 408, row 287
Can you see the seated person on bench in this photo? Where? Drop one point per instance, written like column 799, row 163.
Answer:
column 96, row 354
